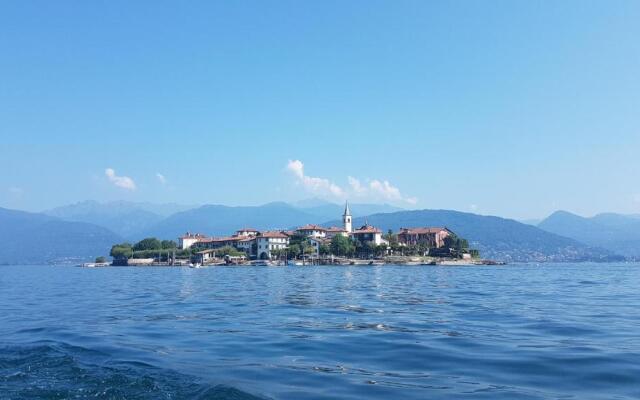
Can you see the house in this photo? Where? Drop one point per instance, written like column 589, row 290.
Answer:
column 246, row 244
column 189, row 239
column 334, row 231
column 368, row 233
column 432, row 237
column 316, row 231
column 268, row 241
column 215, row 243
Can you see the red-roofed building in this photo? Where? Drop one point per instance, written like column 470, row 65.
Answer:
column 316, row 231
column 430, row 236
column 334, row 230
column 217, row 242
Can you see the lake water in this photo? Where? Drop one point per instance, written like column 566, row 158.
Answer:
column 386, row 332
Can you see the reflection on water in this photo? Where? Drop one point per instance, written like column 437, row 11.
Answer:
column 361, row 332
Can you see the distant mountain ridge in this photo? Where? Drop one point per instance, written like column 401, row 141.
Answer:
column 326, row 210
column 33, row 238
column 495, row 237
column 128, row 219
column 615, row 232
column 222, row 220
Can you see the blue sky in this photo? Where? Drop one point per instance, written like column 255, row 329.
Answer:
column 511, row 108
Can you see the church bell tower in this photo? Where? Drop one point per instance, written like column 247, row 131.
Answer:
column 346, row 218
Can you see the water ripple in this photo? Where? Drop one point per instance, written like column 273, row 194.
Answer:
column 526, row 332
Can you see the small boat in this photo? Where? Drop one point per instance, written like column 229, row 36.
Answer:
column 94, row 264
column 196, row 265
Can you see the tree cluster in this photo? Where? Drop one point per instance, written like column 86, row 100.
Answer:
column 147, row 248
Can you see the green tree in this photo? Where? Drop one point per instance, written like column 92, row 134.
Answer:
column 294, row 250
column 342, row 246
column 148, row 244
column 101, row 260
column 324, row 249
column 228, row 251
column 122, row 250
column 391, row 237
column 168, row 244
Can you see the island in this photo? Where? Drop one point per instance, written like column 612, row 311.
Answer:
column 306, row 245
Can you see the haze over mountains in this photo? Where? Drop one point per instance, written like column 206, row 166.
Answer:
column 615, row 232
column 33, row 238
column 88, row 229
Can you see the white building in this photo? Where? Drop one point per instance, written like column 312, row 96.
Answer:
column 269, row 241
column 189, row 239
column 315, row 231
column 368, row 233
column 246, row 245
column 334, row 231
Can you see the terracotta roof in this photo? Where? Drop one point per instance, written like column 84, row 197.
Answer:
column 422, row 230
column 335, row 229
column 311, row 227
column 272, row 235
column 219, row 239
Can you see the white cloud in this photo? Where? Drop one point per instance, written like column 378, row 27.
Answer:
column 412, row 200
column 385, row 190
column 373, row 190
column 320, row 186
column 356, row 186
column 473, row 207
column 120, row 181
column 161, row 178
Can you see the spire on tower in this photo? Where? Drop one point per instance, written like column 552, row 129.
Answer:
column 347, row 211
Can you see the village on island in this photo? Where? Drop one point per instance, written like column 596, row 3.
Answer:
column 306, row 245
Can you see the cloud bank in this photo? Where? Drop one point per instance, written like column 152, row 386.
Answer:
column 372, row 189
column 123, row 182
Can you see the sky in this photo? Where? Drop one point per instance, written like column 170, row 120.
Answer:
column 509, row 108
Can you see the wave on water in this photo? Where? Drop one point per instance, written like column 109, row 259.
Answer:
column 61, row 371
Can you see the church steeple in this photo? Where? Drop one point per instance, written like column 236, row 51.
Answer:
column 346, row 217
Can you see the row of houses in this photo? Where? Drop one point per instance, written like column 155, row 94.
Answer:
column 261, row 244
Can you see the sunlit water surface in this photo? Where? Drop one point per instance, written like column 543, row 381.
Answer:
column 386, row 332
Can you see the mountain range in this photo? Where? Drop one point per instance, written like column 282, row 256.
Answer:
column 615, row 232
column 34, row 238
column 87, row 229
column 127, row 219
